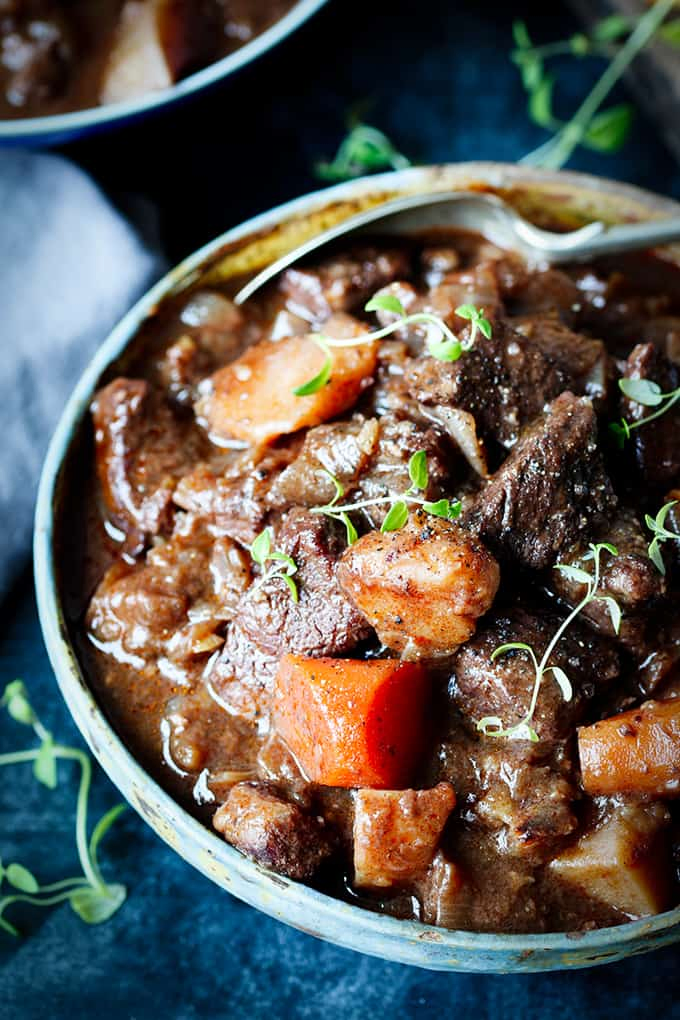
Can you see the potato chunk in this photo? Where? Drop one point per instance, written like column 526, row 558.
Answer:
column 624, row 862
column 396, row 833
column 423, row 587
column 252, row 398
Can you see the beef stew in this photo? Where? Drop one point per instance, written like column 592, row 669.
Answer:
column 381, row 609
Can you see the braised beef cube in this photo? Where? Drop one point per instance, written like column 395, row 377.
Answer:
column 503, row 687
column 437, row 262
column 528, row 291
column 584, row 360
column 342, row 449
column 527, row 801
column 269, row 622
column 664, row 333
column 234, row 501
column 656, row 445
column 630, row 578
column 273, row 832
column 503, row 382
column 142, row 449
column 37, row 53
column 549, row 490
column 342, row 283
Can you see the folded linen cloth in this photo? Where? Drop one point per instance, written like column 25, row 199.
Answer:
column 70, row 267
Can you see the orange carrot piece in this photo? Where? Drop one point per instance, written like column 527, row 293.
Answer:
column 634, row 752
column 252, row 398
column 352, row 723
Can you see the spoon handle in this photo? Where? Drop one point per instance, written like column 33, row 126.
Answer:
column 614, row 240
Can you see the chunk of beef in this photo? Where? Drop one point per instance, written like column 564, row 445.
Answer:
column 396, row 833
column 37, row 52
column 630, row 578
column 664, row 333
column 368, row 457
column 504, row 382
column 526, row 801
column 549, row 490
column 528, row 291
column 170, row 608
column 234, row 501
column 269, row 622
column 656, row 445
column 422, row 587
column 341, row 283
column 272, row 832
column 583, row 360
column 342, row 449
column 503, row 687
column 142, row 449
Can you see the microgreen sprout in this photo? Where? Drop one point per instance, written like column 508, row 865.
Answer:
column 620, row 39
column 274, row 564
column 364, row 150
column 90, row 896
column 440, row 341
column 657, row 526
column 492, row 725
column 397, row 515
column 649, row 394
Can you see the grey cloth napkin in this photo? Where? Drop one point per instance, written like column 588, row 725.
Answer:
column 70, row 267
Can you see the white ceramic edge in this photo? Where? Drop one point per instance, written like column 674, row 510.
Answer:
column 79, row 121
column 293, row 903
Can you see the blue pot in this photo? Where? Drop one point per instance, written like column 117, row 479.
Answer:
column 570, row 197
column 36, row 132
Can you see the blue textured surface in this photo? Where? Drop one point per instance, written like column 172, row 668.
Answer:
column 180, row 946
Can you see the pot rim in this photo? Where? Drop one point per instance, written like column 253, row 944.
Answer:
column 303, row 907
column 28, row 129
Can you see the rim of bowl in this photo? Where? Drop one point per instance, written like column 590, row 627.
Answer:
column 334, row 920
column 27, row 128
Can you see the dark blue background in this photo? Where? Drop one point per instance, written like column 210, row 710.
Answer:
column 444, row 89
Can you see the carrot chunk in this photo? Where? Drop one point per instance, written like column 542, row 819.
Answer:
column 252, row 398
column 634, row 752
column 352, row 723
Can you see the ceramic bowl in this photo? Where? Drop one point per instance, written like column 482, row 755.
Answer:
column 37, row 132
column 544, row 196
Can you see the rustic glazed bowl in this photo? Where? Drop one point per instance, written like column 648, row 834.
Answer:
column 37, row 132
column 543, row 196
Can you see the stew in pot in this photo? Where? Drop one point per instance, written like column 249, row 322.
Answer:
column 379, row 574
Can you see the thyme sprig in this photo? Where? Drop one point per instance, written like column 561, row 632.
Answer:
column 274, row 563
column 492, row 725
column 649, row 394
column 398, row 513
column 90, row 896
column 364, row 150
column 441, row 342
column 657, row 526
column 607, row 130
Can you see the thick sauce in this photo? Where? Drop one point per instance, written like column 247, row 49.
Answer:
column 184, row 638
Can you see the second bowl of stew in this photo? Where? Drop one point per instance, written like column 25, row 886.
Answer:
column 365, row 592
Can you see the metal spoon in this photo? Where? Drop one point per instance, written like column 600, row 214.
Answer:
column 490, row 216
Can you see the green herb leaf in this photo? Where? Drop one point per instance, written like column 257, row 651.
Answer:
column 317, row 382
column 563, row 682
column 45, row 765
column 103, row 826
column 614, row 611
column 261, row 548
column 670, row 32
column 489, row 723
column 531, row 66
column 447, row 350
column 612, row 28
column 574, row 573
column 21, row 878
column 9, row 928
column 363, row 150
column 352, row 535
column 16, row 701
column 540, row 103
column 523, row 731
column 449, row 509
column 603, row 547
column 609, row 130
column 654, row 553
column 511, row 646
column 288, row 580
column 620, row 431
column 279, row 557
column 396, row 517
column 385, row 303
column 642, row 391
column 417, row 470
column 96, row 905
